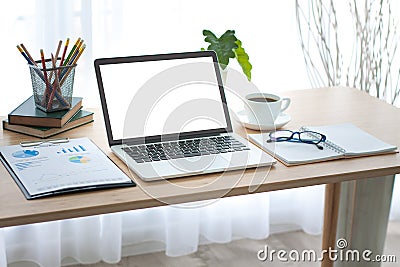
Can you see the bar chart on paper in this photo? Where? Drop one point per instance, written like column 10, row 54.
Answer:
column 73, row 149
column 24, row 165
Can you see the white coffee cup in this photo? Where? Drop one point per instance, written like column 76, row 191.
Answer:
column 263, row 108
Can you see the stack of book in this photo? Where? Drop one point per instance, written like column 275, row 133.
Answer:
column 28, row 119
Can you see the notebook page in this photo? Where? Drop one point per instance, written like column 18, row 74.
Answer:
column 353, row 140
column 293, row 153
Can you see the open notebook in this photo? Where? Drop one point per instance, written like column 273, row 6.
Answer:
column 343, row 141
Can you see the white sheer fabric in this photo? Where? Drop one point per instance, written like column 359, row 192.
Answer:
column 115, row 28
column 395, row 207
column 177, row 229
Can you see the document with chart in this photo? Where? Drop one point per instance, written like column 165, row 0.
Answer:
column 52, row 168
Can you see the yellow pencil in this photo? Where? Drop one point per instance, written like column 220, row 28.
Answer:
column 80, row 53
column 75, row 54
column 27, row 53
column 73, row 63
column 71, row 52
column 80, row 44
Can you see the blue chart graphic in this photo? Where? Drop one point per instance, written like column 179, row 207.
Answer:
column 74, row 149
column 23, row 165
column 23, row 154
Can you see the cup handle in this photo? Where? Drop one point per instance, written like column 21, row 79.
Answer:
column 286, row 104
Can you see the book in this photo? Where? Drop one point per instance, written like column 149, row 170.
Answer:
column 80, row 118
column 342, row 141
column 28, row 114
column 47, row 169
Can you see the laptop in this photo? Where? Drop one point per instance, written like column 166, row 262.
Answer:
column 166, row 116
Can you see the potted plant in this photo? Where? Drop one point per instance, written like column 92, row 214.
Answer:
column 227, row 46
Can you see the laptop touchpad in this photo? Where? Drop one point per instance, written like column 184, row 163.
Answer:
column 189, row 165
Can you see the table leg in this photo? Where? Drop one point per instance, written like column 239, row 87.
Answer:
column 363, row 216
column 332, row 198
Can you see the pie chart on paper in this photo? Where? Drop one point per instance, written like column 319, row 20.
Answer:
column 22, row 154
column 79, row 159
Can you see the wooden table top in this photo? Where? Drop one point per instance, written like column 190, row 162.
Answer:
column 310, row 107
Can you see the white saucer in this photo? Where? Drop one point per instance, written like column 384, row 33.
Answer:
column 282, row 120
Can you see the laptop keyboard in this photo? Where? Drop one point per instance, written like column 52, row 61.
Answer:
column 184, row 148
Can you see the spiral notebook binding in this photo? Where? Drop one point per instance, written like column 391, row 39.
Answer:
column 334, row 147
column 327, row 144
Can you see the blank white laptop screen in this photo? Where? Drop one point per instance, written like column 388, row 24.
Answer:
column 156, row 98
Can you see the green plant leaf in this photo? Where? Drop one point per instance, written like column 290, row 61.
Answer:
column 243, row 59
column 224, row 46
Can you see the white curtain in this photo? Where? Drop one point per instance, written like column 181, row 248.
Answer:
column 395, row 207
column 176, row 229
column 120, row 28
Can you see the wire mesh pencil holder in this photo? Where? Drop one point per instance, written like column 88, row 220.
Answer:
column 53, row 86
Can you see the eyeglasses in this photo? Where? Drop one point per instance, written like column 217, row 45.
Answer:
column 308, row 137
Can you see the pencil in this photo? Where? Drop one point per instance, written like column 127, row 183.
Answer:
column 71, row 60
column 71, row 52
column 65, row 51
column 54, row 66
column 29, row 55
column 46, row 93
column 73, row 63
column 57, row 52
column 58, row 49
column 80, row 44
column 77, row 50
column 31, row 63
column 79, row 55
column 55, row 85
column 73, row 56
column 24, row 55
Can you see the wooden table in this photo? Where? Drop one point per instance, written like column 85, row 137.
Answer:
column 309, row 107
